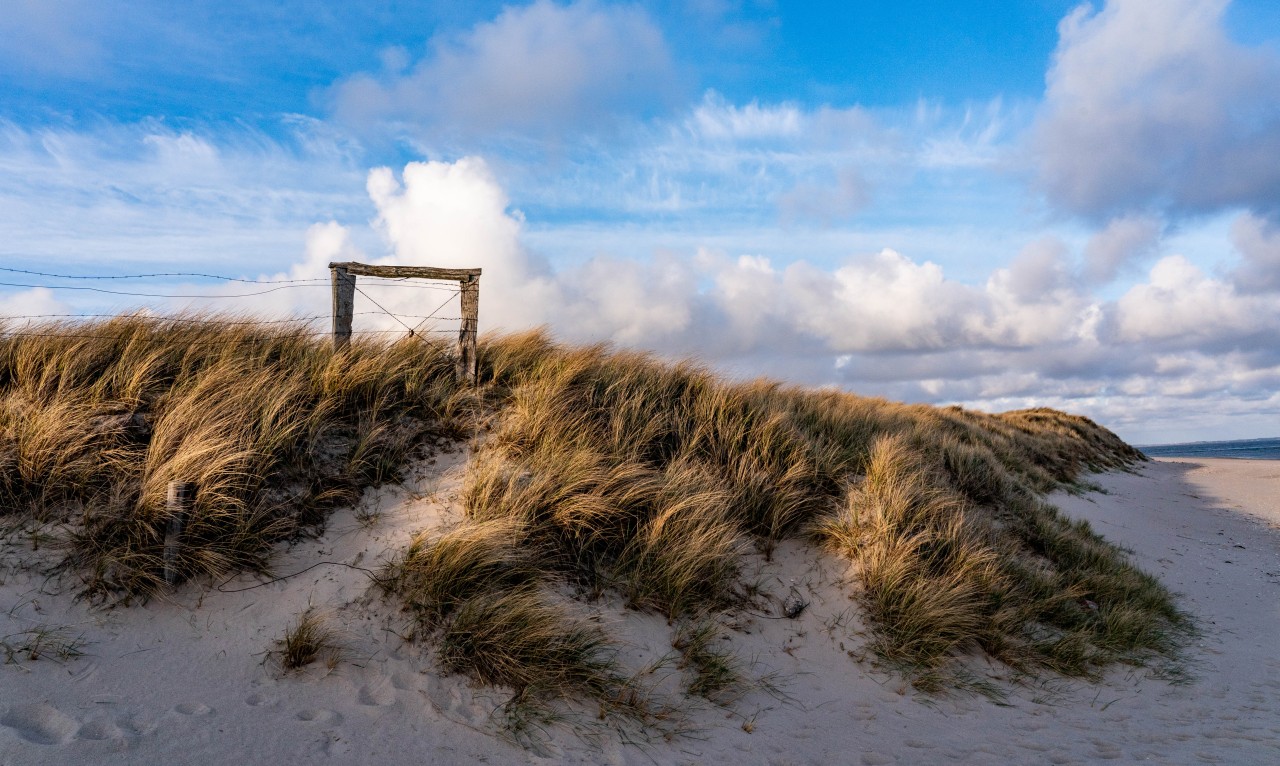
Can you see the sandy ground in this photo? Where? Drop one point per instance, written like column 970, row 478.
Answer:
column 188, row 680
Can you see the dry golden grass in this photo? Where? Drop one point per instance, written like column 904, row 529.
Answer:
column 275, row 429
column 600, row 472
column 308, row 639
column 652, row 480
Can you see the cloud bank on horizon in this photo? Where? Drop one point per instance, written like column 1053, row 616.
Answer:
column 1108, row 244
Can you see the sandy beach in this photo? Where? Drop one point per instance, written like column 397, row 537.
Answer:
column 190, row 680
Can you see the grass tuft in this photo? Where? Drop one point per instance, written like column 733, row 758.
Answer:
column 307, row 640
column 42, row 643
column 713, row 671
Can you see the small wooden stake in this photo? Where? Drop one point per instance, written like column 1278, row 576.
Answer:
column 468, row 363
column 177, row 506
column 344, row 298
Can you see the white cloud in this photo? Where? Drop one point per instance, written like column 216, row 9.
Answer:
column 1258, row 241
column 1031, row 320
column 1150, row 105
column 57, row 37
column 147, row 194
column 716, row 119
column 544, row 67
column 455, row 215
column 1181, row 306
column 1122, row 242
column 36, row 302
column 1032, row 335
column 810, row 200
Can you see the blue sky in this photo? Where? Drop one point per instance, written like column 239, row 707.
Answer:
column 988, row 203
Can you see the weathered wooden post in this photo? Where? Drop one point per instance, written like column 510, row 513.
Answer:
column 178, row 504
column 468, row 362
column 344, row 297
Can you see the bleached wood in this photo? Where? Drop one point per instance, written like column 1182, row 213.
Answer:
column 401, row 272
column 344, row 296
column 468, row 362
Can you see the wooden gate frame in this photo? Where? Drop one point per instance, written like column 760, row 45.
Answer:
column 344, row 293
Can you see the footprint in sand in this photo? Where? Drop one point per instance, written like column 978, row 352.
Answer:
column 39, row 723
column 258, row 700
column 192, row 708
column 137, row 726
column 100, row 729
column 454, row 701
column 313, row 715
column 379, row 693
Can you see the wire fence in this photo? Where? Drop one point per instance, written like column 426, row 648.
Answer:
column 208, row 306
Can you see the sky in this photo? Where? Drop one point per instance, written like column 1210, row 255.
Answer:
column 993, row 204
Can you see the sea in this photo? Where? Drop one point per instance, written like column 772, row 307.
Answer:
column 1253, row 449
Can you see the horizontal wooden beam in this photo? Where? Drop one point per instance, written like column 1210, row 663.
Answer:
column 398, row 272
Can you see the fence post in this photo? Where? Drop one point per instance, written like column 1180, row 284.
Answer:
column 344, row 296
column 468, row 362
column 177, row 505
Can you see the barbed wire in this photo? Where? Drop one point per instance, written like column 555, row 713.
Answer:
column 198, row 320
column 208, row 295
column 384, row 309
column 155, row 295
column 431, row 315
column 306, row 281
column 159, row 275
column 33, row 329
column 11, row 334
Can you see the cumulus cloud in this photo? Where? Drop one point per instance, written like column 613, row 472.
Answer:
column 1258, row 241
column 1182, row 307
column 1150, row 105
column 36, row 302
column 455, row 215
column 544, row 67
column 884, row 323
column 1120, row 244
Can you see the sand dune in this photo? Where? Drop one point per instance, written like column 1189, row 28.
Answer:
column 189, row 680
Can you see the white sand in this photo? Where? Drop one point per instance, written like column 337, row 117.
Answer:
column 184, row 681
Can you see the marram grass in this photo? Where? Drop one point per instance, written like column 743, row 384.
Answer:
column 598, row 471
column 273, row 426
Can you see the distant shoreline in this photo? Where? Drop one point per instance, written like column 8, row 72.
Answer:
column 1246, row 449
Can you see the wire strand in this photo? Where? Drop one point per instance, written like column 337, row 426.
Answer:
column 159, row 295
column 317, row 281
column 193, row 320
column 384, row 309
column 432, row 314
column 13, row 334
